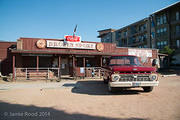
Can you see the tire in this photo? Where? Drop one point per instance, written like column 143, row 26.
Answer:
column 148, row 89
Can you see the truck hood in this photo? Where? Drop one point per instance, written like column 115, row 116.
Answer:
column 132, row 69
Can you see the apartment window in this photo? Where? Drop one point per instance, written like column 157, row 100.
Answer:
column 178, row 43
column 145, row 25
column 177, row 15
column 161, row 20
column 165, row 43
column 165, row 29
column 164, row 18
column 158, row 31
column 178, row 29
column 158, row 44
column 152, row 35
column 161, row 44
column 161, row 30
column 158, row 21
column 125, row 33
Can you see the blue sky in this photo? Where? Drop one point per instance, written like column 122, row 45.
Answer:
column 56, row 18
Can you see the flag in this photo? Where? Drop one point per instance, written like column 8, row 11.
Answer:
column 74, row 30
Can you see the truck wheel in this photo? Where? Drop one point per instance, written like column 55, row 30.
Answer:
column 148, row 89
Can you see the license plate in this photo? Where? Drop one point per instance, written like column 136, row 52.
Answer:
column 136, row 84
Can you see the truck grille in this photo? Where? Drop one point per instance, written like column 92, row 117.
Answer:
column 134, row 78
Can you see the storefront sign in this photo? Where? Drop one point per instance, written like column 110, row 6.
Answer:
column 41, row 43
column 139, row 52
column 70, row 38
column 143, row 54
column 75, row 45
column 100, row 47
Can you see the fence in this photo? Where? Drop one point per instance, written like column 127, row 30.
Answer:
column 40, row 73
column 55, row 73
column 88, row 72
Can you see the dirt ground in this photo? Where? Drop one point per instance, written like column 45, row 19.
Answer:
column 90, row 100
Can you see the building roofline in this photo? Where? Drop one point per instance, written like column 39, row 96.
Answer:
column 146, row 18
column 3, row 41
column 106, row 30
column 41, row 38
column 165, row 7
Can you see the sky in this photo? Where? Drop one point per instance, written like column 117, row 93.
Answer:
column 56, row 18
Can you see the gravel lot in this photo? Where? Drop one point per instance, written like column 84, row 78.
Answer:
column 88, row 100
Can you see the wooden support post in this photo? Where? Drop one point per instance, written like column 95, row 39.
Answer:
column 59, row 66
column 74, row 70
column 84, row 65
column 14, row 67
column 37, row 62
column 101, row 61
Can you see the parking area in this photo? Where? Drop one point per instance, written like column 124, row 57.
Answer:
column 89, row 100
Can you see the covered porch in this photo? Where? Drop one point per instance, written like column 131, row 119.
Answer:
column 31, row 66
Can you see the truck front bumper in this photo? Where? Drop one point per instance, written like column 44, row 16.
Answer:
column 134, row 84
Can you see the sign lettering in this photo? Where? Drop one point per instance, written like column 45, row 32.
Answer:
column 76, row 45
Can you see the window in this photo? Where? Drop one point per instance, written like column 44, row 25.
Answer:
column 164, row 18
column 178, row 43
column 177, row 15
column 158, row 21
column 161, row 20
column 125, row 33
column 161, row 30
column 165, row 29
column 158, row 31
column 165, row 43
column 178, row 29
column 152, row 35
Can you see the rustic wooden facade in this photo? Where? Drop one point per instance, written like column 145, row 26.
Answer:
column 68, row 61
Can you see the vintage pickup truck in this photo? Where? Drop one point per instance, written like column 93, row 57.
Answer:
column 125, row 71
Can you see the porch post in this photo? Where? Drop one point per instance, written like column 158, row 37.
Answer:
column 74, row 70
column 59, row 66
column 13, row 67
column 84, row 65
column 101, row 61
column 37, row 62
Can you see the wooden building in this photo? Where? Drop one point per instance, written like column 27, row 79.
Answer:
column 39, row 58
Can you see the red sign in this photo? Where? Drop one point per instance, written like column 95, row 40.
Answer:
column 72, row 38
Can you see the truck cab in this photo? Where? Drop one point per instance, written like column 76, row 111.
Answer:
column 126, row 71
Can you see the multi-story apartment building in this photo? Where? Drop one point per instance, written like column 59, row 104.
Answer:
column 107, row 35
column 165, row 27
column 159, row 29
column 134, row 35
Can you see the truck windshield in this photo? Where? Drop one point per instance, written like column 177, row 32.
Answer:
column 124, row 60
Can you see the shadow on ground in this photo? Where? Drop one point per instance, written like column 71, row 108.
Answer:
column 97, row 87
column 21, row 112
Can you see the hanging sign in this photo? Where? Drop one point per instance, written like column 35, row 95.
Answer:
column 70, row 38
column 75, row 45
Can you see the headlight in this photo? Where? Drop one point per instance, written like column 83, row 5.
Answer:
column 153, row 77
column 115, row 77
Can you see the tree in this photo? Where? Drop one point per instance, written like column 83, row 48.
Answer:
column 169, row 52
